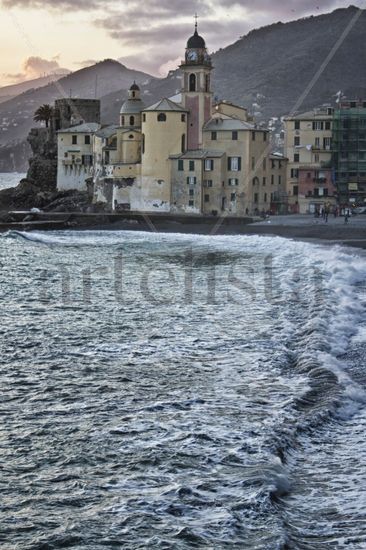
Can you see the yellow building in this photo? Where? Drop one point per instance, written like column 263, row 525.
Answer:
column 186, row 155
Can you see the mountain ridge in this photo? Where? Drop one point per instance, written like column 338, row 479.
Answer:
column 266, row 70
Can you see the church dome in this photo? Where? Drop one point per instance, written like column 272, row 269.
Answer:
column 134, row 88
column 132, row 107
column 196, row 41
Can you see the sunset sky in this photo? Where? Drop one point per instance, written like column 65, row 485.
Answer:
column 40, row 36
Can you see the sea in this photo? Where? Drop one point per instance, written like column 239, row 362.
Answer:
column 166, row 391
column 10, row 179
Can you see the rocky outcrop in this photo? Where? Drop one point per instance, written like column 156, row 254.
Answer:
column 43, row 163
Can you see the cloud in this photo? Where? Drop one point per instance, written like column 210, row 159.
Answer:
column 86, row 63
column 153, row 33
column 35, row 67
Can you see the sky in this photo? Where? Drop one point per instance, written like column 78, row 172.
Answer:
column 44, row 36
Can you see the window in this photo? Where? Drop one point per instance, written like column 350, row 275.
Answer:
column 74, row 140
column 294, row 173
column 132, row 121
column 87, row 160
column 133, row 94
column 256, row 197
column 183, row 118
column 297, row 141
column 253, row 163
column 122, row 121
column 66, row 155
column 143, row 143
column 279, row 180
column 191, row 165
column 207, row 183
column 318, row 125
column 317, row 142
column 295, row 190
column 234, row 164
column 87, row 140
column 180, row 165
column 297, row 125
column 192, row 82
column 255, row 181
column 183, row 143
column 214, row 136
column 327, row 143
column 233, row 182
column 253, row 136
column 191, row 180
column 265, row 197
column 234, row 135
column 131, row 136
column 316, row 157
column 264, row 136
column 264, row 181
column 207, row 83
column 207, row 198
column 209, row 165
column 191, row 192
column 143, row 117
column 233, row 197
column 272, row 179
column 161, row 117
column 296, row 157
column 190, row 203
column 328, row 125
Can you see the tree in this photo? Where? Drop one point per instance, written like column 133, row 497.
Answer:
column 43, row 114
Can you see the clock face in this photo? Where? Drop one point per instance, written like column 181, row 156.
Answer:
column 192, row 55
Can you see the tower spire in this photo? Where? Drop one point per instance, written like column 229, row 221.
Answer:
column 196, row 23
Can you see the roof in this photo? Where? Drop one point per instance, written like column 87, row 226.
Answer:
column 134, row 87
column 229, row 124
column 310, row 115
column 132, row 107
column 199, row 154
column 107, row 131
column 166, row 104
column 196, row 41
column 86, row 128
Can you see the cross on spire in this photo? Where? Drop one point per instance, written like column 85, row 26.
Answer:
column 196, row 23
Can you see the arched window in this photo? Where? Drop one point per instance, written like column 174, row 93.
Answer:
column 133, row 94
column 143, row 143
column 123, row 121
column 183, row 143
column 183, row 118
column 161, row 117
column 132, row 121
column 130, row 136
column 255, row 181
column 207, row 83
column 192, row 82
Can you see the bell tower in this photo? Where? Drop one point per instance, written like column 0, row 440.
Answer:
column 196, row 91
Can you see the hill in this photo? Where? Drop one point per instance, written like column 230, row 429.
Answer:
column 16, row 115
column 8, row 92
column 267, row 71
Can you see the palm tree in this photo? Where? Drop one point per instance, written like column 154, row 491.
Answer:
column 43, row 114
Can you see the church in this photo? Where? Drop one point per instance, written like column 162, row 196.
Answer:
column 184, row 154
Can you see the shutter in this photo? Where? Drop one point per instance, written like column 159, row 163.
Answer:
column 229, row 163
column 212, row 164
column 239, row 164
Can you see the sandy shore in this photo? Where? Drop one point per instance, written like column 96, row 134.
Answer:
column 300, row 227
